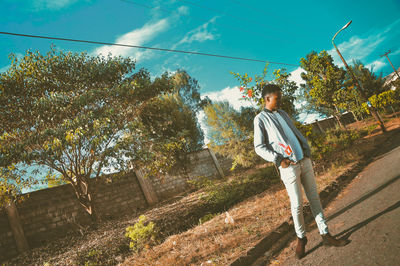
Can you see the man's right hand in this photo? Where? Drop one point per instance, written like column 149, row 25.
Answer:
column 286, row 162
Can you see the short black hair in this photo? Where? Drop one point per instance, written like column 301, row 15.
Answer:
column 269, row 89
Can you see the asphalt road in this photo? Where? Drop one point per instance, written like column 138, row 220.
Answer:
column 367, row 212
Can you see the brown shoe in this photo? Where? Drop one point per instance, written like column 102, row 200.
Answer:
column 330, row 241
column 301, row 247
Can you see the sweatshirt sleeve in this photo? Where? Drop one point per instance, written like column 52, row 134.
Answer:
column 262, row 148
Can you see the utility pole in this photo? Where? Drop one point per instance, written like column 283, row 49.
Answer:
column 361, row 91
column 386, row 55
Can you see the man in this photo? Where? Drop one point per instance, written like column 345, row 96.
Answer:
column 277, row 140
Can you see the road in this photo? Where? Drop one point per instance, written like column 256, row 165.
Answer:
column 367, row 212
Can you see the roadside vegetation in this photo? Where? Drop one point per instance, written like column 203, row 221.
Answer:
column 81, row 116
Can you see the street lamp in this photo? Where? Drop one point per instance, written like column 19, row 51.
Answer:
column 357, row 82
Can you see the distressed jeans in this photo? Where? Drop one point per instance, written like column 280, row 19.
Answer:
column 293, row 176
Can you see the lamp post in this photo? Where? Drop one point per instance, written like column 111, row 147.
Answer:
column 357, row 82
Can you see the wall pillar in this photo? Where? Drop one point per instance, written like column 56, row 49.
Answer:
column 216, row 163
column 15, row 224
column 147, row 188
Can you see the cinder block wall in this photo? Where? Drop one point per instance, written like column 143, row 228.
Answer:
column 8, row 248
column 52, row 212
column 201, row 164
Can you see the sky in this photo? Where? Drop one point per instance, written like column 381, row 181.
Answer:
column 274, row 31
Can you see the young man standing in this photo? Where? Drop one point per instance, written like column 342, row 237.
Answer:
column 277, row 140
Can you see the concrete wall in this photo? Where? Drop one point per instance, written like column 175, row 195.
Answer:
column 331, row 123
column 52, row 212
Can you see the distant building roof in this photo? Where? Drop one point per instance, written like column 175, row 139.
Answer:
column 391, row 77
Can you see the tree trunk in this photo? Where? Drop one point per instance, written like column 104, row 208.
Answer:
column 394, row 112
column 83, row 191
column 355, row 117
column 337, row 116
column 339, row 122
column 378, row 118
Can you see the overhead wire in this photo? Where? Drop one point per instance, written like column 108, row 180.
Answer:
column 142, row 47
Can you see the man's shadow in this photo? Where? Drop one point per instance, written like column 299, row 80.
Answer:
column 347, row 233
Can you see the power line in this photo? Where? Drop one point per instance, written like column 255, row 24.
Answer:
column 142, row 47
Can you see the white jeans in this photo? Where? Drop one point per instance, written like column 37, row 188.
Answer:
column 292, row 177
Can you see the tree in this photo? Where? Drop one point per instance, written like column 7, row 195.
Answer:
column 71, row 112
column 323, row 79
column 349, row 97
column 289, row 89
column 172, row 132
column 382, row 100
column 12, row 181
column 251, row 89
column 188, row 89
column 231, row 132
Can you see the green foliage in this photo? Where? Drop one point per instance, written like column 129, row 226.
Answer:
column 382, row 100
column 141, row 235
column 231, row 132
column 322, row 80
column 12, row 181
column 54, row 180
column 90, row 257
column 350, row 97
column 172, row 132
column 252, row 89
column 231, row 191
column 207, row 217
column 332, row 141
column 71, row 111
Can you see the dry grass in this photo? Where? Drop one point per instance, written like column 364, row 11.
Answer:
column 213, row 242
column 220, row 243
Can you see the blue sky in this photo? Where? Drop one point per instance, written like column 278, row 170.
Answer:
column 278, row 31
column 266, row 30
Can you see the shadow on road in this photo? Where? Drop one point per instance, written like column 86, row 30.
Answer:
column 346, row 233
column 366, row 196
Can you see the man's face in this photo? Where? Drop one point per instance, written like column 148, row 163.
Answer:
column 273, row 101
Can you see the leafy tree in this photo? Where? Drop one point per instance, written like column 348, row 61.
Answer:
column 323, row 79
column 12, row 181
column 289, row 89
column 349, row 97
column 382, row 100
column 188, row 89
column 71, row 112
column 251, row 89
column 231, row 132
column 371, row 83
column 172, row 132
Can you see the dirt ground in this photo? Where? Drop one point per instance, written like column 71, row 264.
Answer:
column 252, row 222
column 367, row 213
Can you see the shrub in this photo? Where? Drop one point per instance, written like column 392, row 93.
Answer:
column 90, row 257
column 207, row 217
column 228, row 193
column 141, row 235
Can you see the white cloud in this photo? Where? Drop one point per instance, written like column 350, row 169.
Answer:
column 199, row 34
column 357, row 48
column 376, row 65
column 52, row 4
column 183, row 10
column 360, row 48
column 295, row 76
column 136, row 37
column 232, row 95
